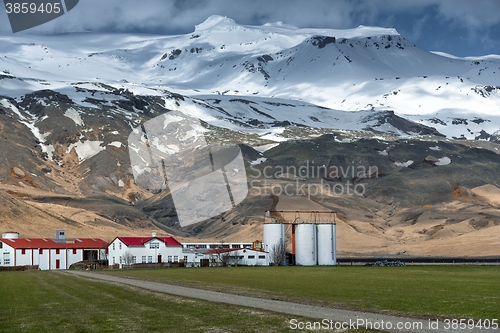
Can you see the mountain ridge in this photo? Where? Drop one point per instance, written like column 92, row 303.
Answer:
column 287, row 96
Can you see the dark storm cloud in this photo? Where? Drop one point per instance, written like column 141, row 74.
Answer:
column 477, row 19
column 164, row 16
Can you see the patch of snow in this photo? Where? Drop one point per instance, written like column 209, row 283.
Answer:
column 121, row 183
column 117, row 144
column 264, row 148
column 86, row 149
column 347, row 140
column 404, row 164
column 75, row 116
column 258, row 161
column 383, row 153
column 443, row 161
column 436, row 148
column 6, row 104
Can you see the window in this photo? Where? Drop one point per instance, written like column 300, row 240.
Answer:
column 154, row 245
column 169, row 258
column 113, row 260
column 185, row 258
column 150, row 259
column 143, row 259
column 113, row 246
column 120, row 245
column 262, row 257
column 251, row 257
column 176, row 258
column 191, row 246
column 247, row 246
column 225, row 246
column 23, row 251
column 40, row 251
column 214, row 246
column 74, row 251
column 134, row 259
column 57, row 251
column 202, row 246
column 120, row 259
column 1, row 245
column 236, row 246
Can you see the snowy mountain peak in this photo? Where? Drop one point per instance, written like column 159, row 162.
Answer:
column 216, row 22
column 359, row 69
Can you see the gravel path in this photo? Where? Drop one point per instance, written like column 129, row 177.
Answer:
column 317, row 313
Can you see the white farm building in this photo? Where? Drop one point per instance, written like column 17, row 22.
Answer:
column 50, row 253
column 145, row 250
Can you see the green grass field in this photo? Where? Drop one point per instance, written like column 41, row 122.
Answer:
column 421, row 291
column 56, row 302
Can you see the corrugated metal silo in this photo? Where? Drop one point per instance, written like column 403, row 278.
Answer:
column 327, row 249
column 274, row 233
column 305, row 245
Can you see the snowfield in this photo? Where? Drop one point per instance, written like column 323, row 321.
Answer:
column 265, row 77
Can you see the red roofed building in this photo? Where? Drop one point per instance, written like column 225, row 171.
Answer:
column 48, row 253
column 136, row 250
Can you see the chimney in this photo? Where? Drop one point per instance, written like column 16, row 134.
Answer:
column 153, row 234
column 60, row 235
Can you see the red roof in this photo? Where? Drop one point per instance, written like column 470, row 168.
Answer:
column 140, row 241
column 47, row 243
column 217, row 251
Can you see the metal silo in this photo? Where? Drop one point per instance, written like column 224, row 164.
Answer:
column 305, row 245
column 327, row 250
column 10, row 235
column 274, row 233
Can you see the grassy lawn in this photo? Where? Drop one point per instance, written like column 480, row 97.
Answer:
column 56, row 302
column 428, row 291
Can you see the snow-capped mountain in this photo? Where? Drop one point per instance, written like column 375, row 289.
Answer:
column 363, row 69
column 68, row 104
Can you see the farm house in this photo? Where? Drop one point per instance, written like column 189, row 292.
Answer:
column 46, row 253
column 145, row 250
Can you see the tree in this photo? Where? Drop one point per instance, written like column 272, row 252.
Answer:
column 278, row 253
column 128, row 258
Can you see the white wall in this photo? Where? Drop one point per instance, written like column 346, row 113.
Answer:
column 44, row 258
column 247, row 257
column 6, row 252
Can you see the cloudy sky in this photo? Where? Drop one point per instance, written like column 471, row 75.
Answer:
column 458, row 27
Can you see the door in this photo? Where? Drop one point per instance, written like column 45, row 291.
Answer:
column 159, row 258
column 6, row 259
column 58, row 263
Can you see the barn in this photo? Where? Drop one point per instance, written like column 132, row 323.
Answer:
column 48, row 254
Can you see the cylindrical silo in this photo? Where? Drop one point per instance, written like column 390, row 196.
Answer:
column 305, row 245
column 327, row 249
column 10, row 235
column 274, row 234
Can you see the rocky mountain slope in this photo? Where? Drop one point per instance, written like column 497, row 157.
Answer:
column 411, row 134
